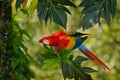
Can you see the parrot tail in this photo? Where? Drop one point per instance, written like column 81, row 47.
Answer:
column 93, row 57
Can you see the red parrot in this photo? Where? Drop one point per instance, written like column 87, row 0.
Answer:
column 65, row 40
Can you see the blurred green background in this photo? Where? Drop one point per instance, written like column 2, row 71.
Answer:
column 104, row 41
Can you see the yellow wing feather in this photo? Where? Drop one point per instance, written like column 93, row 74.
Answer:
column 71, row 42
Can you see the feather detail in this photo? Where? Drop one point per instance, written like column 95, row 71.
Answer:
column 60, row 33
column 78, row 42
column 71, row 43
column 93, row 57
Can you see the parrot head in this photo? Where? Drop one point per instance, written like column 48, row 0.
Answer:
column 49, row 40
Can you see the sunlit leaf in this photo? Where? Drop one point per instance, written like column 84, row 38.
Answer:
column 25, row 33
column 24, row 11
column 24, row 47
column 50, row 63
column 33, row 5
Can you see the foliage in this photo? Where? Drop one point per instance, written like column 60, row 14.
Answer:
column 20, row 58
column 56, row 10
column 95, row 9
column 14, row 58
column 70, row 65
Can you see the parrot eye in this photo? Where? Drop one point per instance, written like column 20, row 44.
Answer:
column 45, row 41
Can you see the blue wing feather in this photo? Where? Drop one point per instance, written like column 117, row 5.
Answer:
column 79, row 41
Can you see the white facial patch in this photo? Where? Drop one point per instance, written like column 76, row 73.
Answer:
column 46, row 42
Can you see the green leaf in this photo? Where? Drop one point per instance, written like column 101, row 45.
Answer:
column 49, row 53
column 106, row 12
column 42, row 10
column 15, row 62
column 25, row 11
column 90, row 8
column 50, row 63
column 54, row 10
column 25, row 33
column 90, row 19
column 94, row 10
column 88, row 69
column 65, row 2
column 67, row 70
column 24, row 47
column 33, row 5
column 30, row 72
column 85, row 76
column 18, row 3
column 60, row 18
column 80, row 59
column 86, row 3
column 62, row 9
column 64, row 53
column 19, row 76
column 112, row 7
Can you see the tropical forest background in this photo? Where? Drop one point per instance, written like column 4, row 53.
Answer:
column 29, row 25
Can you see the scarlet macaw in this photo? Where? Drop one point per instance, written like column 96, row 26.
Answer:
column 66, row 40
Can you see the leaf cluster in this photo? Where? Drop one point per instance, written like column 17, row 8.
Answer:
column 94, row 10
column 20, row 57
column 54, row 10
column 70, row 65
column 57, row 10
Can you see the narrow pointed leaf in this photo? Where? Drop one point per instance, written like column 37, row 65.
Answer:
column 66, row 2
column 113, row 7
column 18, row 3
column 80, row 59
column 33, row 5
column 60, row 18
column 88, row 69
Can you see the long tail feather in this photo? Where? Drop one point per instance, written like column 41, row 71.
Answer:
column 93, row 57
